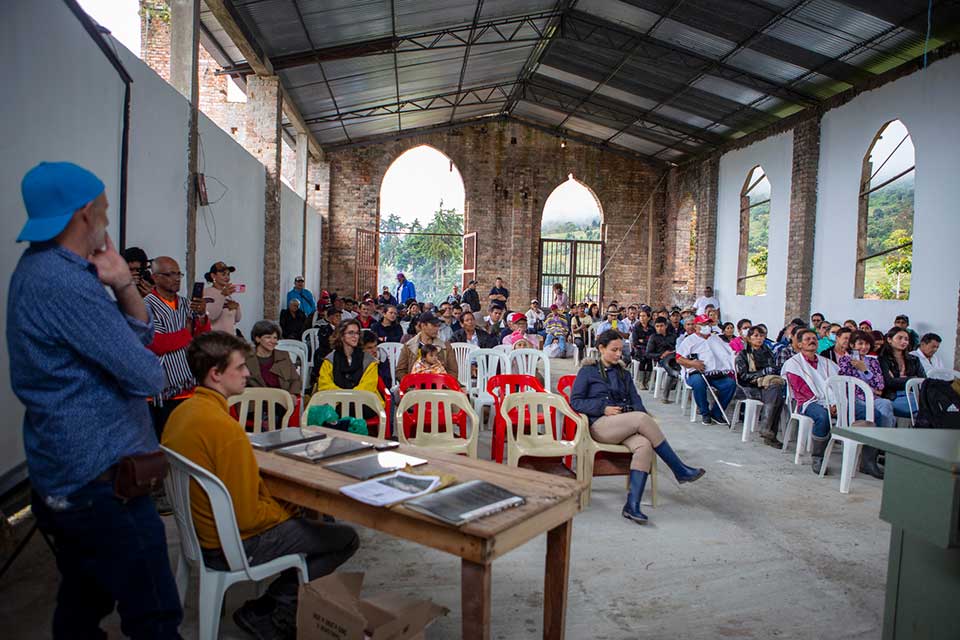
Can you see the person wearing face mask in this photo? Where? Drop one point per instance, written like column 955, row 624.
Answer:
column 743, row 328
column 604, row 392
column 841, row 345
column 759, row 379
column 708, row 360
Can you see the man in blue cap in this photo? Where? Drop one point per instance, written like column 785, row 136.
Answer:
column 83, row 372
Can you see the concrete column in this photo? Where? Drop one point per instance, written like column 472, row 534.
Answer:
column 264, row 106
column 707, row 224
column 182, row 45
column 318, row 198
column 303, row 159
column 803, row 218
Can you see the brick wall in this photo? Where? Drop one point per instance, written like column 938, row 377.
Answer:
column 509, row 170
column 803, row 217
column 155, row 51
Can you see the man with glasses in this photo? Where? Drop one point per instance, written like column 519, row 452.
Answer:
column 176, row 321
column 299, row 292
column 614, row 322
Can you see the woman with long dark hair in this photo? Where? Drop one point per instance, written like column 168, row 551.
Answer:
column 604, row 392
column 639, row 336
column 898, row 366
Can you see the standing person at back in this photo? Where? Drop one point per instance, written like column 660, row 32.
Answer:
column 706, row 299
column 223, row 310
column 471, row 297
column 176, row 321
column 83, row 373
column 304, row 296
column 405, row 289
column 499, row 293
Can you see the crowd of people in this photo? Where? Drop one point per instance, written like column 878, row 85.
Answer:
column 106, row 377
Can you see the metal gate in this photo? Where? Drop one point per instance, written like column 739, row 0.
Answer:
column 469, row 258
column 368, row 263
column 575, row 264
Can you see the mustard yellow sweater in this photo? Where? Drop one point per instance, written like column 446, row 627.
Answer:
column 202, row 430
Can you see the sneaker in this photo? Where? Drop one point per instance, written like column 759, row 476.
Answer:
column 706, row 420
column 257, row 625
column 284, row 620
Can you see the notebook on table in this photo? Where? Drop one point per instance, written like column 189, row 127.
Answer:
column 270, row 440
column 365, row 467
column 321, row 450
column 465, row 502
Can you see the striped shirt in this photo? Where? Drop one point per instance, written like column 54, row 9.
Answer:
column 173, row 329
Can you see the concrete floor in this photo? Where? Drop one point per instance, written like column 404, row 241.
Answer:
column 759, row 548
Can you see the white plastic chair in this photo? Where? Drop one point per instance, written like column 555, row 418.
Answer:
column 298, row 353
column 685, row 395
column 390, row 352
column 546, row 413
column 527, row 361
column 504, row 349
column 262, row 399
column 591, row 350
column 912, row 389
column 804, row 428
column 350, row 403
column 311, row 338
column 462, row 351
column 943, row 374
column 213, row 583
column 842, row 390
column 751, row 416
column 490, row 362
column 437, row 433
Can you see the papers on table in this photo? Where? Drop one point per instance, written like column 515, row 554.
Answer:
column 391, row 489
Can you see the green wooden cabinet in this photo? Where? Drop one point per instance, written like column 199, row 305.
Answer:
column 921, row 500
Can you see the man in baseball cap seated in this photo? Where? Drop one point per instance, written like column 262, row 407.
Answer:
column 82, row 370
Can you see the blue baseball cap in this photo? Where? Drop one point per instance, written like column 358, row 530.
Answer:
column 52, row 191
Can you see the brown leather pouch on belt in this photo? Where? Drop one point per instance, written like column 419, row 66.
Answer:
column 139, row 475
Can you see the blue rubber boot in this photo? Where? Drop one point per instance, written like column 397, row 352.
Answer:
column 682, row 472
column 631, row 510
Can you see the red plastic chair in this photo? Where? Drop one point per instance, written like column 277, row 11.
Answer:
column 499, row 386
column 565, row 388
column 432, row 381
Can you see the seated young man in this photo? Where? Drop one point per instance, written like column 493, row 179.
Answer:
column 202, row 430
column 707, row 359
column 661, row 348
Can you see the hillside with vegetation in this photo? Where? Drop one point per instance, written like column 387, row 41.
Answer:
column 585, row 230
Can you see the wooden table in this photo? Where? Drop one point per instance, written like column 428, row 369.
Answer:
column 552, row 502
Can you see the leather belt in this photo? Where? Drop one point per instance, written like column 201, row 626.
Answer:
column 108, row 475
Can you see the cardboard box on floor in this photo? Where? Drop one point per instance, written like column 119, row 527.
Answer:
column 331, row 608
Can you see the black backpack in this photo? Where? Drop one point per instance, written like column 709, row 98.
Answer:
column 939, row 405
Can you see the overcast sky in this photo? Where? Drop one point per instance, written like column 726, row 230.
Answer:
column 120, row 17
column 416, row 183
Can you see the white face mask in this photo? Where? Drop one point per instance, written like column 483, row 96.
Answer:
column 705, row 330
column 744, row 332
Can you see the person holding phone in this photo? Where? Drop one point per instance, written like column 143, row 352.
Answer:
column 223, row 310
column 176, row 321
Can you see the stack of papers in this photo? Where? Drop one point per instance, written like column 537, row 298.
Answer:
column 400, row 486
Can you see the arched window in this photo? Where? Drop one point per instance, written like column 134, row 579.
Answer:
column 685, row 253
column 570, row 242
column 885, row 216
column 754, row 234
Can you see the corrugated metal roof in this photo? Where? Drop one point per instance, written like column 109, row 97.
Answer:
column 657, row 77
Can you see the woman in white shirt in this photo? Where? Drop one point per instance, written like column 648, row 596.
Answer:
column 224, row 311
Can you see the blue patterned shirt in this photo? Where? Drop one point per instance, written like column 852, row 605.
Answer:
column 81, row 369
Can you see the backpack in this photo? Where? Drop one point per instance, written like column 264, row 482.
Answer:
column 939, row 405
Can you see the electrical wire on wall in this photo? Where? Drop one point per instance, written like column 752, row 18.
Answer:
column 207, row 211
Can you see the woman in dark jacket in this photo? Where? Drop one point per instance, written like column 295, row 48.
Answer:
column 605, row 393
column 639, row 336
column 757, row 375
column 898, row 366
column 269, row 366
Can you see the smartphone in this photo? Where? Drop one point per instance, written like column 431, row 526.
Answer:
column 197, row 290
column 240, row 288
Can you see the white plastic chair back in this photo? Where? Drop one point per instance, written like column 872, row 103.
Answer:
column 390, row 352
column 843, row 389
column 503, row 348
column 527, row 361
column 462, row 351
column 261, row 399
column 912, row 390
column 944, row 374
column 434, row 425
column 299, row 354
column 177, row 484
column 311, row 338
column 490, row 362
column 349, row 403
column 539, row 415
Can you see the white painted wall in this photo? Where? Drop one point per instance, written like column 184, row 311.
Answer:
column 65, row 102
column 231, row 228
column 291, row 240
column 775, row 155
column 926, row 102
column 312, row 275
column 47, row 78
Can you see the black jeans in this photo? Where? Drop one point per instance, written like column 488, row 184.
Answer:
column 327, row 547
column 110, row 553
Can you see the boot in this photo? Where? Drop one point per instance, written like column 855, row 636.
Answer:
column 631, row 510
column 682, row 472
column 644, row 380
column 818, row 447
column 868, row 462
column 671, row 385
